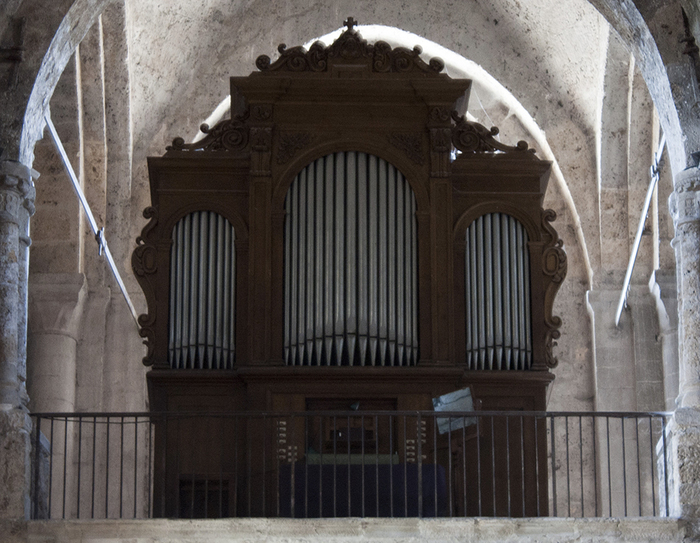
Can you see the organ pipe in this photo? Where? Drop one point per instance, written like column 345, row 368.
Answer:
column 202, row 293
column 350, row 278
column 497, row 291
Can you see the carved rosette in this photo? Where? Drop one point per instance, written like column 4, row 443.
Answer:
column 440, row 115
column 350, row 46
column 289, row 143
column 472, row 137
column 227, row 135
column 261, row 112
column 144, row 262
column 410, row 144
column 554, row 267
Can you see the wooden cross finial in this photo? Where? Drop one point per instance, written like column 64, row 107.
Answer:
column 350, row 22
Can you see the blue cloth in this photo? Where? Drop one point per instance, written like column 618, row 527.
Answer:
column 389, row 490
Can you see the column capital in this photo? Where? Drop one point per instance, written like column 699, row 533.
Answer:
column 16, row 189
column 684, row 202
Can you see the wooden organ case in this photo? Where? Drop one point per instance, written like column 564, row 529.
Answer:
column 346, row 238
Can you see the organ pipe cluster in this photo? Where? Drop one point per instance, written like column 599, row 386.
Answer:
column 351, row 274
column 202, row 293
column 499, row 333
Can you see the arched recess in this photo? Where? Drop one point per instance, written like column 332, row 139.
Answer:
column 75, row 25
column 351, row 264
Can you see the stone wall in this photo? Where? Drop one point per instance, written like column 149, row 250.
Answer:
column 350, row 531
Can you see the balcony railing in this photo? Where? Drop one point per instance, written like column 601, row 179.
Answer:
column 356, row 463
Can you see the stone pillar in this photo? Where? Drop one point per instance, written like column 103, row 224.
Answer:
column 16, row 201
column 685, row 427
column 685, row 209
column 56, row 303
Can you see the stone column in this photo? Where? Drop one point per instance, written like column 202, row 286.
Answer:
column 56, row 303
column 685, row 210
column 685, row 426
column 16, row 200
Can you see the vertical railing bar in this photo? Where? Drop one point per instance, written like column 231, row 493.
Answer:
column 292, row 472
column 663, row 437
column 249, row 467
column 405, row 467
column 206, row 487
column 522, row 460
column 639, row 469
column 65, row 462
column 51, row 469
column 362, row 460
column 464, row 466
column 624, row 463
column 164, row 465
column 151, row 460
column 607, row 438
column 450, row 482
column 554, row 466
column 306, row 466
column 107, row 425
column 391, row 467
column 121, row 468
column 478, row 466
column 651, row 460
column 335, row 466
column 264, row 467
column 419, row 459
column 194, row 479
column 320, row 468
column 94, row 456
column 278, row 450
column 136, row 456
column 376, row 461
column 435, row 494
column 568, row 467
column 508, row 491
column 80, row 461
column 348, row 453
column 580, row 456
column 236, row 439
column 595, row 464
column 222, row 441
column 537, row 467
column 206, row 495
column 37, row 441
column 493, row 466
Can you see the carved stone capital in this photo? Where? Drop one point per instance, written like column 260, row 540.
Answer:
column 16, row 190
column 684, row 202
column 56, row 303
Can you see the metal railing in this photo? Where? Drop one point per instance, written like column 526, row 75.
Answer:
column 356, row 463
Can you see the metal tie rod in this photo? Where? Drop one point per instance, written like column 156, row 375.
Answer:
column 654, row 170
column 98, row 232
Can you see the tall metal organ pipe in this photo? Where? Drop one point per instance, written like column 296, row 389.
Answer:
column 351, row 274
column 497, row 272
column 202, row 293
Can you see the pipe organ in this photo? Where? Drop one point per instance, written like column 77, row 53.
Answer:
column 346, row 238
